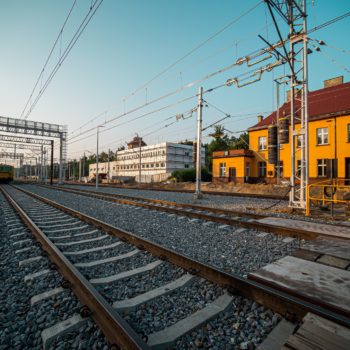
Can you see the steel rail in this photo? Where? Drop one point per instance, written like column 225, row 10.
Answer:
column 160, row 201
column 117, row 331
column 292, row 307
column 214, row 193
column 278, row 230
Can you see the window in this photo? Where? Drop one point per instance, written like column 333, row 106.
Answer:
column 322, row 136
column 321, row 167
column 262, row 143
column 186, row 166
column 262, row 169
column 348, row 132
column 279, row 168
column 222, row 168
column 187, row 153
column 232, row 172
column 162, row 165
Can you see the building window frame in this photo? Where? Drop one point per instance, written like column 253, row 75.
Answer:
column 262, row 143
column 322, row 167
column 322, row 136
column 232, row 172
column 262, row 171
column 222, row 169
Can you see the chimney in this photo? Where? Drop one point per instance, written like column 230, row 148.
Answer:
column 260, row 118
column 296, row 92
column 333, row 81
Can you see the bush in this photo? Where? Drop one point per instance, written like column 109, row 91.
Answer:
column 189, row 175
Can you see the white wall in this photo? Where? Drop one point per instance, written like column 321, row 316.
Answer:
column 157, row 162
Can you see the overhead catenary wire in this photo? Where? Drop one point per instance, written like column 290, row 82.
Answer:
column 244, row 76
column 235, row 20
column 254, row 54
column 191, row 84
column 48, row 57
column 92, row 10
column 180, row 73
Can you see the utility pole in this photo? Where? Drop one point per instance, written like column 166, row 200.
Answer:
column 15, row 162
column 279, row 81
column 294, row 15
column 98, row 130
column 108, row 172
column 84, row 165
column 198, row 194
column 80, row 170
column 139, row 160
column 52, row 164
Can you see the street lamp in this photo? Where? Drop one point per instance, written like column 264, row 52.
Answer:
column 98, row 130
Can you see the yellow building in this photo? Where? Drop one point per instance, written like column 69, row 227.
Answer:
column 329, row 139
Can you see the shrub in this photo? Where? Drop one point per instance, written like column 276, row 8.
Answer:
column 189, row 175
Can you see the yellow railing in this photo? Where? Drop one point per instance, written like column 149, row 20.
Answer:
column 329, row 194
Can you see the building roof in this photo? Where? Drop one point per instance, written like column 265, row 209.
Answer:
column 233, row 153
column 326, row 102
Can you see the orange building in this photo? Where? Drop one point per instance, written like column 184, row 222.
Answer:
column 329, row 139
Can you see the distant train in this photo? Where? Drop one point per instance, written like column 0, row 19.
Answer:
column 6, row 173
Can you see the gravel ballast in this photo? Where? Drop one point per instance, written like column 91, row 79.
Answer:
column 242, row 326
column 21, row 323
column 240, row 253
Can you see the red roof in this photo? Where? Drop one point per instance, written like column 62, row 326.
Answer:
column 334, row 100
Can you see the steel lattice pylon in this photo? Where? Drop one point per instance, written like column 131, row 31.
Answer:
column 293, row 13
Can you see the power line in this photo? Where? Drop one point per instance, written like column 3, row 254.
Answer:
column 92, row 10
column 48, row 57
column 193, row 50
column 136, row 118
column 193, row 83
column 246, row 59
column 325, row 24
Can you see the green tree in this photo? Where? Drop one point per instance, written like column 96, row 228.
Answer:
column 219, row 132
column 240, row 142
column 220, row 143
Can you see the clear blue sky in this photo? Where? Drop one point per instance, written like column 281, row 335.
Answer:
column 128, row 42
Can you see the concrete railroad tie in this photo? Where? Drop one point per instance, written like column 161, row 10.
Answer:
column 129, row 305
column 83, row 241
column 126, row 274
column 107, row 260
column 36, row 298
column 90, row 250
column 167, row 337
column 70, row 235
column 73, row 323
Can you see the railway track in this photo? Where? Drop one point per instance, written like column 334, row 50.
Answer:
column 100, row 261
column 221, row 216
column 215, row 193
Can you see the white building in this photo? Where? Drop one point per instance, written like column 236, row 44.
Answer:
column 157, row 162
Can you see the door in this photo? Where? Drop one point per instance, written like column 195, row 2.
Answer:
column 232, row 174
column 347, row 171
